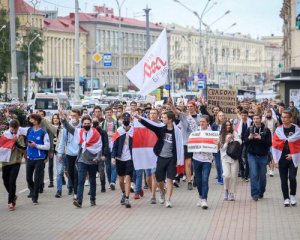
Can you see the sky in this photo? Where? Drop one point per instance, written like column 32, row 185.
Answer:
column 255, row 17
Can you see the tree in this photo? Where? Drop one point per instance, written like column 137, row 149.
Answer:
column 36, row 49
column 4, row 46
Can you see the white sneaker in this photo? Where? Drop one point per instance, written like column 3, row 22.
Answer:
column 204, row 204
column 199, row 203
column 226, row 196
column 231, row 197
column 97, row 175
column 168, row 204
column 162, row 197
column 293, row 200
column 184, row 178
column 287, row 202
column 271, row 173
column 86, row 183
column 132, row 187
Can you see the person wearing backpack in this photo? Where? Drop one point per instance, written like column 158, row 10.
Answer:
column 230, row 165
column 258, row 144
column 37, row 144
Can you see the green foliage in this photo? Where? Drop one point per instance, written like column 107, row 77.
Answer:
column 4, row 46
column 111, row 89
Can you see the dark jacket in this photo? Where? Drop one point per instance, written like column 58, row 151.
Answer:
column 118, row 146
column 104, row 139
column 259, row 147
column 160, row 133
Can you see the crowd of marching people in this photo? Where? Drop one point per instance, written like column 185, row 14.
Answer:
column 126, row 146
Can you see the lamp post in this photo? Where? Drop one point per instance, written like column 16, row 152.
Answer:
column 119, row 48
column 29, row 90
column 53, row 62
column 199, row 17
column 4, row 26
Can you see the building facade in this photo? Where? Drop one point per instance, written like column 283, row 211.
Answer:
column 290, row 13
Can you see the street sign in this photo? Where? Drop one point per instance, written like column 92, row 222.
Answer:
column 201, row 84
column 168, row 87
column 200, row 75
column 107, row 60
column 97, row 57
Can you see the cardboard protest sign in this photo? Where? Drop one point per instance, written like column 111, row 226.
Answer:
column 224, row 98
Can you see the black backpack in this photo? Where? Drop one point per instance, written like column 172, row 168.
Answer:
column 234, row 150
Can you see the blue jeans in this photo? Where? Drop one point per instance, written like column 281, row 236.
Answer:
column 83, row 169
column 138, row 180
column 59, row 173
column 202, row 171
column 65, row 164
column 111, row 171
column 258, row 171
column 219, row 166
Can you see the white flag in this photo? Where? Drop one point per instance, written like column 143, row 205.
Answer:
column 152, row 71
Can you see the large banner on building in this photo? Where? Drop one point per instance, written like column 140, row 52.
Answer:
column 298, row 14
column 224, row 98
column 203, row 141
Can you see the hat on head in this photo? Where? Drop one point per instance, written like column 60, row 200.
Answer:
column 125, row 115
column 192, row 103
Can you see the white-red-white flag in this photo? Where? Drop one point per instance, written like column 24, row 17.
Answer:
column 152, row 71
column 7, row 144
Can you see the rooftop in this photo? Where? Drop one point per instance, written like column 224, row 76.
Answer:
column 23, row 7
column 61, row 24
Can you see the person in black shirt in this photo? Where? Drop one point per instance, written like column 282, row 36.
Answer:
column 286, row 165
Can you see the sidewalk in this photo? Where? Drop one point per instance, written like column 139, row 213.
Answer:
column 59, row 219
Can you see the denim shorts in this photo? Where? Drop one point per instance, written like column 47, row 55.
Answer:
column 149, row 172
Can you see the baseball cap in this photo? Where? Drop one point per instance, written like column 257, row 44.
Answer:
column 125, row 115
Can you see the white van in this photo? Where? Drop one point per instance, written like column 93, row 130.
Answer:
column 50, row 103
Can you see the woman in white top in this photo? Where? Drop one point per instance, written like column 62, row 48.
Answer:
column 230, row 166
column 202, row 166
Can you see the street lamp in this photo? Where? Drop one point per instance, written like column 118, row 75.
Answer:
column 199, row 17
column 29, row 90
column 4, row 26
column 53, row 62
column 119, row 48
column 231, row 26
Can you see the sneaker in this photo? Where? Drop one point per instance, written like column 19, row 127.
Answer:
column 127, row 203
column 293, row 200
column 77, row 204
column 226, row 196
column 162, row 197
column 137, row 196
column 190, row 186
column 112, row 186
column 103, row 189
column 220, row 181
column 58, row 194
column 35, row 202
column 255, row 199
column 246, row 179
column 231, row 197
column 70, row 192
column 30, row 195
column 97, row 175
column 86, row 183
column 93, row 203
column 89, row 192
column 11, row 207
column 199, row 202
column 261, row 196
column 204, row 204
column 51, row 185
column 194, row 184
column 271, row 173
column 41, row 190
column 287, row 202
column 74, row 196
column 122, row 199
column 168, row 204
column 184, row 178
column 175, row 183
column 153, row 200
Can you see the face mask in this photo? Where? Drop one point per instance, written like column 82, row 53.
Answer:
column 269, row 117
column 126, row 123
column 95, row 124
column 87, row 128
column 30, row 124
